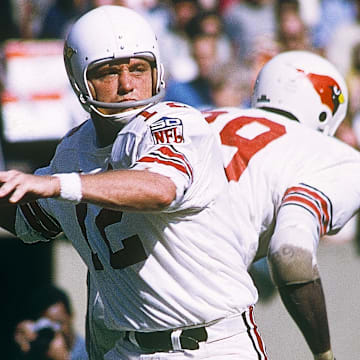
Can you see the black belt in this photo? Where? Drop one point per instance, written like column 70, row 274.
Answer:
column 162, row 340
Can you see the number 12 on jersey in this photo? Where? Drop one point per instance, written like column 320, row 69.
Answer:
column 132, row 252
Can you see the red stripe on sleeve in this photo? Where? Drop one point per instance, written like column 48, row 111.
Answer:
column 307, row 203
column 167, row 151
column 323, row 202
column 164, row 162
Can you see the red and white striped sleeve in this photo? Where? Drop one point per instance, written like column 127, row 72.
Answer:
column 314, row 201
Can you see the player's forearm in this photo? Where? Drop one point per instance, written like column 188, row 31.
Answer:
column 306, row 304
column 128, row 190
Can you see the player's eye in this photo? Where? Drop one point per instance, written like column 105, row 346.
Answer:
column 138, row 69
column 102, row 73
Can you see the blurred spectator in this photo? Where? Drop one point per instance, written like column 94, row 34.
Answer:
column 196, row 92
column 60, row 16
column 134, row 4
column 210, row 22
column 224, row 4
column 342, row 40
column 230, row 85
column 350, row 131
column 8, row 27
column 25, row 16
column 353, row 81
column 292, row 33
column 44, row 341
column 265, row 49
column 346, row 133
column 209, row 5
column 29, row 16
column 158, row 12
column 175, row 43
column 310, row 12
column 247, row 20
column 332, row 13
column 62, row 343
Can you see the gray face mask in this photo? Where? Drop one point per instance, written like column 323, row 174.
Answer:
column 125, row 104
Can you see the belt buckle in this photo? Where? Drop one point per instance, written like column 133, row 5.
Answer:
column 190, row 338
column 176, row 340
column 175, row 337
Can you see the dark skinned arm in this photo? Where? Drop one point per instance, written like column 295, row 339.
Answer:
column 306, row 305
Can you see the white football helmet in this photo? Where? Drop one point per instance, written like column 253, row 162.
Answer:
column 104, row 34
column 305, row 87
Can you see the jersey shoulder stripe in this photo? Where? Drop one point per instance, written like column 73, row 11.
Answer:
column 40, row 220
column 312, row 200
column 168, row 155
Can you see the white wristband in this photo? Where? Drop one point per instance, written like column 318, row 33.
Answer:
column 70, row 187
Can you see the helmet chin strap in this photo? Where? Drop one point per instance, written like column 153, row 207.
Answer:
column 120, row 119
column 126, row 104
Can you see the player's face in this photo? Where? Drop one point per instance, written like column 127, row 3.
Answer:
column 121, row 80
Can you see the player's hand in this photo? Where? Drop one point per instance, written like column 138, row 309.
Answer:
column 24, row 334
column 18, row 187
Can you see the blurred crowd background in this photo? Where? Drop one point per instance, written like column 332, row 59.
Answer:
column 212, row 51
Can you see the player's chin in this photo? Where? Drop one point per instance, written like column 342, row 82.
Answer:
column 114, row 111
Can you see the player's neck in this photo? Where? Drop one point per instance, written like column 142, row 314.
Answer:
column 106, row 131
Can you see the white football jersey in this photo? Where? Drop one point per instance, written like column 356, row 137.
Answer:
column 154, row 271
column 272, row 162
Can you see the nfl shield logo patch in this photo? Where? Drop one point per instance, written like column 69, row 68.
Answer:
column 167, row 130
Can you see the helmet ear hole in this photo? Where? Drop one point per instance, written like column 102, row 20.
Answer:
column 322, row 116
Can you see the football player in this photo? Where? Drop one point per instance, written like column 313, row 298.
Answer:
column 291, row 182
column 140, row 191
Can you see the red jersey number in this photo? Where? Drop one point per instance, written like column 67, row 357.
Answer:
column 246, row 147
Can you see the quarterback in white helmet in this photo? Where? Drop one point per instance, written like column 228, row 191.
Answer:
column 140, row 191
column 100, row 39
